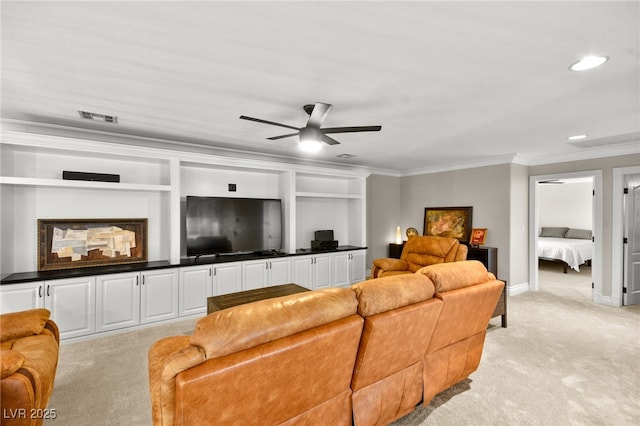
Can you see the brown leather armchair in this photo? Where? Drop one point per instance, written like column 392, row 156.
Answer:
column 418, row 252
column 29, row 357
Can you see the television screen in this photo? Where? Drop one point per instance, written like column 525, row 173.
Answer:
column 216, row 225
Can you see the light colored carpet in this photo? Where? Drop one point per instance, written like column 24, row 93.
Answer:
column 563, row 360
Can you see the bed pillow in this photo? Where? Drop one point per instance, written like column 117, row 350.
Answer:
column 578, row 234
column 553, row 232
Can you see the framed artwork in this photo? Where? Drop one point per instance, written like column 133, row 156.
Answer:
column 478, row 236
column 452, row 222
column 81, row 243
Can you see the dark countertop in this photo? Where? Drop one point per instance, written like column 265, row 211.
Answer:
column 23, row 277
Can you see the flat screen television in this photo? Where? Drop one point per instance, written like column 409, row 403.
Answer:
column 218, row 225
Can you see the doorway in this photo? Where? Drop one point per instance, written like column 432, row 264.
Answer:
column 624, row 177
column 596, row 226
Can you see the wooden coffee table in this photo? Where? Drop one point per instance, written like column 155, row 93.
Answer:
column 217, row 303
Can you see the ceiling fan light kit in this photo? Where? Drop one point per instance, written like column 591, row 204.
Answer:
column 311, row 137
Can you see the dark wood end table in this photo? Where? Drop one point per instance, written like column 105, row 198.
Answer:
column 217, row 303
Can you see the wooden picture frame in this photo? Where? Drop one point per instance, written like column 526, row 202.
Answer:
column 452, row 222
column 478, row 237
column 81, row 243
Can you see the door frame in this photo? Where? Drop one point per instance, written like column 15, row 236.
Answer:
column 617, row 232
column 596, row 262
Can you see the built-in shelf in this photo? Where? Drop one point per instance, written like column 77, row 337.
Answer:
column 10, row 180
column 328, row 195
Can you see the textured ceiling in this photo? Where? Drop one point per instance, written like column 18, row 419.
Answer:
column 452, row 83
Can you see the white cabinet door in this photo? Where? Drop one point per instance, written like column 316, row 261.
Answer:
column 279, row 271
column 72, row 304
column 196, row 284
column 302, row 274
column 117, row 301
column 358, row 266
column 159, row 295
column 255, row 274
column 322, row 271
column 227, row 278
column 21, row 297
column 341, row 275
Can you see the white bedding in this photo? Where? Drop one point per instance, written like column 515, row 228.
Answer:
column 573, row 252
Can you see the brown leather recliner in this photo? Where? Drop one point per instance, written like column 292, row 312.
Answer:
column 29, row 346
column 400, row 315
column 469, row 294
column 287, row 360
column 420, row 251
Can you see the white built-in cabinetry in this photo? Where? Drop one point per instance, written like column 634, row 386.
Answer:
column 154, row 183
column 71, row 302
column 129, row 299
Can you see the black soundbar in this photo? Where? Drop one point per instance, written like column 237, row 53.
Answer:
column 97, row 177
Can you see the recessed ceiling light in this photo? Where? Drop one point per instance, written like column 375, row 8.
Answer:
column 588, row 62
column 577, row 137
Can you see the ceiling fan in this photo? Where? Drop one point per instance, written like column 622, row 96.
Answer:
column 313, row 134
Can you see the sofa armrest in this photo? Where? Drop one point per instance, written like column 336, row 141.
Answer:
column 15, row 325
column 167, row 358
column 389, row 264
column 10, row 362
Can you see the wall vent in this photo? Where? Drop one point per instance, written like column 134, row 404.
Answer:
column 98, row 117
column 611, row 140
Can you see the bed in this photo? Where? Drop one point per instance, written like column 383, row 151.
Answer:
column 571, row 247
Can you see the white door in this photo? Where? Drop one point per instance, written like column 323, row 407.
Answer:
column 632, row 248
column 302, row 267
column 72, row 304
column 196, row 283
column 322, row 272
column 159, row 295
column 21, row 297
column 227, row 278
column 279, row 271
column 117, row 301
column 255, row 274
column 358, row 266
column 341, row 269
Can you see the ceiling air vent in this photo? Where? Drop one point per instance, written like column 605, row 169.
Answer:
column 612, row 140
column 98, row 117
column 346, row 156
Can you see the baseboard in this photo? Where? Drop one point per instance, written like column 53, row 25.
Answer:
column 514, row 290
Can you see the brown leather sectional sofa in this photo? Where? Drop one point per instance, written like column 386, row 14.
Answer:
column 29, row 358
column 365, row 355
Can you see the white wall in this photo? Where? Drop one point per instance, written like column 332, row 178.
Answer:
column 568, row 204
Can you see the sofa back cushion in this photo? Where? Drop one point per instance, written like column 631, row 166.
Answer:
column 387, row 293
column 420, row 251
column 241, row 327
column 446, row 277
column 302, row 378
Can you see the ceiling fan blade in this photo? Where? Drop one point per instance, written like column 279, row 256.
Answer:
column 259, row 120
column 329, row 141
column 275, row 138
column 351, row 129
column 318, row 114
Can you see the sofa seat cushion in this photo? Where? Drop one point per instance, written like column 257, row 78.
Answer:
column 391, row 292
column 449, row 276
column 241, row 327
